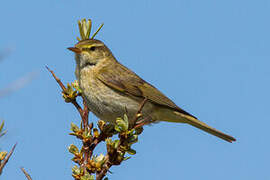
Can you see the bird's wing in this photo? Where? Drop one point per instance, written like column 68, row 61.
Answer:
column 124, row 80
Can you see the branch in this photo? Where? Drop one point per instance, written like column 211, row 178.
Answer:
column 2, row 165
column 91, row 137
column 104, row 171
column 26, row 174
column 64, row 91
column 84, row 113
column 86, row 127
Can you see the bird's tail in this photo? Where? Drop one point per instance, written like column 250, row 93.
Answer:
column 168, row 115
column 201, row 125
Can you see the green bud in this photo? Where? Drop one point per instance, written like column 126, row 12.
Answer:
column 95, row 132
column 86, row 133
column 121, row 125
column 73, row 149
column 126, row 119
column 118, row 128
column 67, row 99
column 1, row 129
column 116, row 143
column 75, row 85
column 87, row 176
column 100, row 159
column 76, row 170
column 74, row 128
column 131, row 151
column 101, row 124
column 133, row 139
column 126, row 158
column 1, row 126
column 3, row 155
column 109, row 141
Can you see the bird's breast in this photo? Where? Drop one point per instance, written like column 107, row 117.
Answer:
column 105, row 102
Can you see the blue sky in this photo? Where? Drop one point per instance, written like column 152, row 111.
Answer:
column 210, row 57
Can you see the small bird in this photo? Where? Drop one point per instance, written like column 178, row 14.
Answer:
column 112, row 90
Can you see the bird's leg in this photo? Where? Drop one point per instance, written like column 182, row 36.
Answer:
column 139, row 112
column 143, row 122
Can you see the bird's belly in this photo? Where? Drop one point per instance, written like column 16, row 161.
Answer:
column 108, row 104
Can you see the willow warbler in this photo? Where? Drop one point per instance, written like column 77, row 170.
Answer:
column 111, row 90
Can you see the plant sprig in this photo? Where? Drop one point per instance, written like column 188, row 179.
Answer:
column 88, row 163
column 85, row 29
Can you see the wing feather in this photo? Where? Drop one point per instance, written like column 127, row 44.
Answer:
column 124, row 80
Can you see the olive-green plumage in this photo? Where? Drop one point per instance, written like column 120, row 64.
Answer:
column 111, row 89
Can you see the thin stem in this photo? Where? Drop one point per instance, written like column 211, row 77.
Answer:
column 74, row 102
column 81, row 29
column 26, row 174
column 89, row 27
column 96, row 141
column 86, row 149
column 84, row 113
column 104, row 170
column 2, row 165
column 97, row 31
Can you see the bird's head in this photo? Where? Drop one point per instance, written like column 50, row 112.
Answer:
column 90, row 52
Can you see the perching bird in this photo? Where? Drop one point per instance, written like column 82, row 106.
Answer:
column 111, row 90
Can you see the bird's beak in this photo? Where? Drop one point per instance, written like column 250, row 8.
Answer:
column 75, row 49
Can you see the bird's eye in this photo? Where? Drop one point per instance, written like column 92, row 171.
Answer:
column 92, row 48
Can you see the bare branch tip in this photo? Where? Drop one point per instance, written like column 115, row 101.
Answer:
column 48, row 68
column 26, row 174
column 2, row 165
